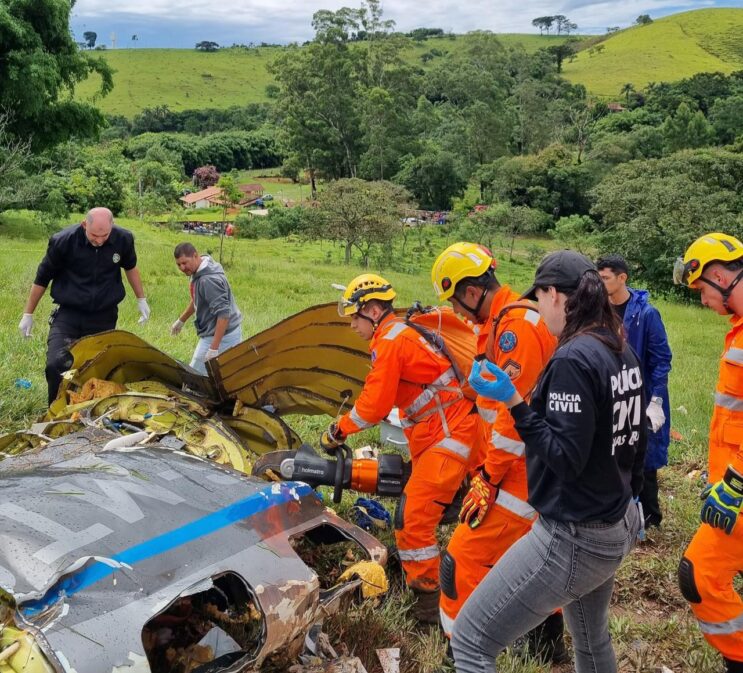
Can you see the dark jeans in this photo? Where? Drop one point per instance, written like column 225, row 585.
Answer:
column 649, row 499
column 66, row 326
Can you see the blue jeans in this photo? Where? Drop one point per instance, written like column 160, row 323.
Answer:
column 228, row 341
column 555, row 565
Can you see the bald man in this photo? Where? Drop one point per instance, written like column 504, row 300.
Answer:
column 83, row 262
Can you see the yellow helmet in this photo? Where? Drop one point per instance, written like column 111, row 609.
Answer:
column 459, row 261
column 709, row 248
column 362, row 289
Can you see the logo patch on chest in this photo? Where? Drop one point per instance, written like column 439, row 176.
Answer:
column 116, row 258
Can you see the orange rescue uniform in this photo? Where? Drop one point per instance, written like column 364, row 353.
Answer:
column 714, row 558
column 523, row 345
column 440, row 428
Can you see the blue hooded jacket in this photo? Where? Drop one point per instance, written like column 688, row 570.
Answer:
column 647, row 336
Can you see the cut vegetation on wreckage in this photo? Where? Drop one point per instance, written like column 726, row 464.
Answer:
column 134, row 538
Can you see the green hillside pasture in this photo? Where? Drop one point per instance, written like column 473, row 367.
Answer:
column 182, row 79
column 669, row 49
column 650, row 623
column 186, row 79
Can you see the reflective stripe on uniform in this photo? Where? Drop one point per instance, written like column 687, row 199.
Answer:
column 729, row 402
column 358, row 420
column 428, row 394
column 515, row 505
column 455, row 447
column 507, row 444
column 447, row 623
column 394, row 331
column 420, row 554
column 722, row 628
column 487, row 415
column 532, row 316
column 734, row 355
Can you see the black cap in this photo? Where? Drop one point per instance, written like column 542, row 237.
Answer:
column 562, row 269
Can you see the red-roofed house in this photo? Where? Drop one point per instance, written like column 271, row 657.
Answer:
column 211, row 196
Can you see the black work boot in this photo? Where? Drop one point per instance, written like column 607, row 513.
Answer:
column 426, row 606
column 733, row 666
column 546, row 641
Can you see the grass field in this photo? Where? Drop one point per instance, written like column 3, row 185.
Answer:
column 182, row 79
column 272, row 279
column 186, row 79
column 669, row 49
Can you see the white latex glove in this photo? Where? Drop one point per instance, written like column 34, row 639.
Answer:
column 211, row 353
column 27, row 322
column 176, row 327
column 144, row 311
column 656, row 416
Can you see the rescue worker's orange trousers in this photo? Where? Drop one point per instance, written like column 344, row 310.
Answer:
column 437, row 475
column 471, row 553
column 706, row 573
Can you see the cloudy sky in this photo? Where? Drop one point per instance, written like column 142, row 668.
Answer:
column 181, row 23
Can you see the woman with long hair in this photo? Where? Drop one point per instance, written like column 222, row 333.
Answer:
column 585, row 435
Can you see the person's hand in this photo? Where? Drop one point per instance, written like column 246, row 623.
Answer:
column 144, row 311
column 331, row 439
column 176, row 327
column 211, row 353
column 655, row 414
column 500, row 389
column 479, row 500
column 27, row 322
column 723, row 501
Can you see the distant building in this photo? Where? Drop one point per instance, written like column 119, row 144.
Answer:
column 206, row 198
column 615, row 107
column 251, row 193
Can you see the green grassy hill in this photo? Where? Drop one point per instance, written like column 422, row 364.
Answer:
column 669, row 49
column 182, row 79
column 186, row 79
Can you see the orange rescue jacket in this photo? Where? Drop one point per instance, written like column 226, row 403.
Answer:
column 408, row 373
column 523, row 345
column 726, row 428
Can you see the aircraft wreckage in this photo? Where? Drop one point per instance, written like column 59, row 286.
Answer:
column 134, row 538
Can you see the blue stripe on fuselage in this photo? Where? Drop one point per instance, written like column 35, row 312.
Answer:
column 237, row 511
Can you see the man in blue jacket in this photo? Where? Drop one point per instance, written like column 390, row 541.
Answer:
column 646, row 334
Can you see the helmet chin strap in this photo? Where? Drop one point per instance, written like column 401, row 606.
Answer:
column 374, row 323
column 725, row 292
column 476, row 310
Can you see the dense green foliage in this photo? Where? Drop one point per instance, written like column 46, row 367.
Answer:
column 40, row 64
column 226, row 150
column 651, row 210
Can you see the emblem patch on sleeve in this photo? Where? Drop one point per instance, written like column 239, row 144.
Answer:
column 512, row 368
column 507, row 341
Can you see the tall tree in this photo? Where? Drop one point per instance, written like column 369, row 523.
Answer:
column 627, row 90
column 40, row 64
column 434, row 178
column 318, row 102
column 90, row 37
column 360, row 214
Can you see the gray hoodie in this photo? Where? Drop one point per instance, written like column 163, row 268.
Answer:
column 212, row 298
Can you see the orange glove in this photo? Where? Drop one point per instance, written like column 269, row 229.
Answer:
column 478, row 500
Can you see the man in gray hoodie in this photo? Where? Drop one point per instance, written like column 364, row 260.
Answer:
column 218, row 320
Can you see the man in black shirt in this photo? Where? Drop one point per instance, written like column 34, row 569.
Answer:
column 83, row 262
